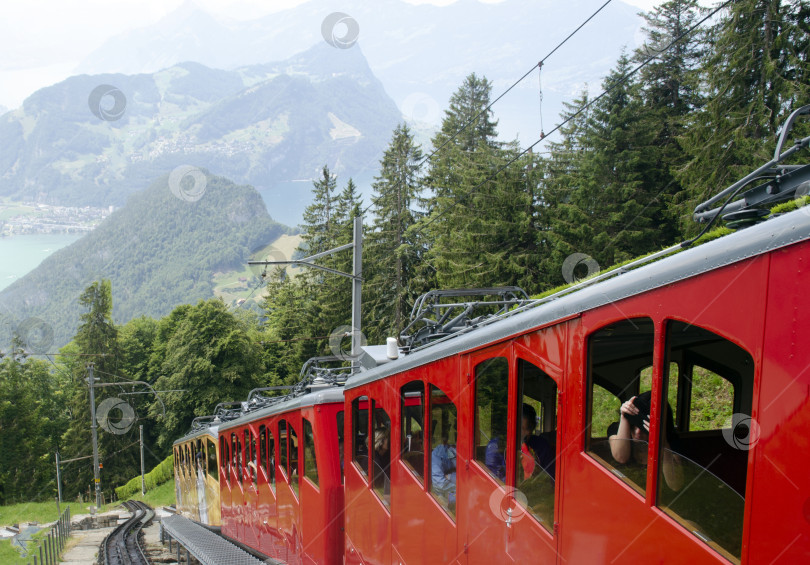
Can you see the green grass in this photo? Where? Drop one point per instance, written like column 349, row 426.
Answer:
column 10, row 555
column 162, row 495
column 36, row 512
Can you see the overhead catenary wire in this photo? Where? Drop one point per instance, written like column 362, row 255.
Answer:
column 557, row 127
column 472, row 120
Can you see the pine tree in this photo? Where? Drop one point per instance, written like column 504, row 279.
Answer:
column 479, row 229
column 613, row 211
column 670, row 89
column 319, row 227
column 755, row 74
column 392, row 256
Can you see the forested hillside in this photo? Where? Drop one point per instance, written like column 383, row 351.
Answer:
column 158, row 251
column 262, row 124
column 621, row 180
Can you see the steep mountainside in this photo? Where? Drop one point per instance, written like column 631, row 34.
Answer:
column 421, row 53
column 162, row 249
column 83, row 143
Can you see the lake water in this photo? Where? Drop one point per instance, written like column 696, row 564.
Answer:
column 19, row 254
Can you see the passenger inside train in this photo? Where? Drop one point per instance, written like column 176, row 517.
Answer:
column 443, row 469
column 629, row 439
column 535, row 450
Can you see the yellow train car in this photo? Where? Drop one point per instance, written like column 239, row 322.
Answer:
column 196, row 476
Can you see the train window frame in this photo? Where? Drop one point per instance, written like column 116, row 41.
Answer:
column 309, row 447
column 548, row 417
column 271, row 458
column 234, row 457
column 478, row 459
column 341, row 432
column 199, row 457
column 710, row 488
column 360, row 416
column 213, row 466
column 248, row 459
column 380, row 479
column 443, row 495
column 262, row 456
column 282, row 446
column 294, row 447
column 240, row 460
column 224, row 458
column 253, row 463
column 617, row 335
column 413, row 388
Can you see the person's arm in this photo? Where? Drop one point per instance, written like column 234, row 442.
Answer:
column 672, row 467
column 620, row 444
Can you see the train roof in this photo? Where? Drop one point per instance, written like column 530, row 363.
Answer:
column 781, row 231
column 207, row 431
column 322, row 396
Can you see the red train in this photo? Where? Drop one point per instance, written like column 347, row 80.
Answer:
column 503, row 442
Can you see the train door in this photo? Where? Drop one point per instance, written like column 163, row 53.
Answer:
column 266, row 505
column 537, row 360
column 250, row 506
column 484, row 496
column 289, row 511
column 368, row 483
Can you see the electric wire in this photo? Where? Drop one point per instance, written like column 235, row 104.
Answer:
column 472, row 120
column 557, row 127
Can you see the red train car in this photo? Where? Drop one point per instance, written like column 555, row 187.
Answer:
column 712, row 335
column 281, row 478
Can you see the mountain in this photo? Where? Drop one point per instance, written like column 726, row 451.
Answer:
column 421, row 53
column 160, row 250
column 93, row 140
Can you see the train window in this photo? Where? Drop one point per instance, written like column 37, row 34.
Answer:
column 704, row 460
column 199, row 458
column 536, row 453
column 618, row 356
column 213, row 469
column 254, row 471
column 340, row 443
column 240, row 458
column 711, row 403
column 310, row 463
column 189, row 459
column 282, row 445
column 491, row 402
column 223, row 456
column 248, row 458
column 443, row 432
column 293, row 464
column 263, row 451
column 381, row 456
column 234, row 449
column 413, row 411
column 360, row 434
column 271, row 459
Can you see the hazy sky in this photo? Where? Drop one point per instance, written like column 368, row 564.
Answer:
column 43, row 41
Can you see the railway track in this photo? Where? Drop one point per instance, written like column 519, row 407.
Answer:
column 122, row 546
